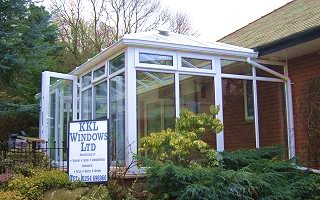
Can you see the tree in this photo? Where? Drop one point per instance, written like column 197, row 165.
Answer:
column 88, row 26
column 29, row 46
column 181, row 23
column 12, row 13
column 38, row 51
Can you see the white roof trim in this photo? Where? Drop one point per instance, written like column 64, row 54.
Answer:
column 172, row 42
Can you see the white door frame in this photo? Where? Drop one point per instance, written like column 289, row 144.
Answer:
column 45, row 100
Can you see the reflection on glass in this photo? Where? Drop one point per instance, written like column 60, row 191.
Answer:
column 155, row 59
column 101, row 101
column 248, row 100
column 117, row 118
column 155, row 101
column 86, row 107
column 236, row 67
column 239, row 132
column 196, row 63
column 116, row 64
column 99, row 72
column 197, row 95
column 86, row 80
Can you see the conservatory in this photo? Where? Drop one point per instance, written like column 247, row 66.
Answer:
column 142, row 82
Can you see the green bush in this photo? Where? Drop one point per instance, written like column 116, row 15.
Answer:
column 258, row 178
column 183, row 146
column 32, row 187
column 10, row 195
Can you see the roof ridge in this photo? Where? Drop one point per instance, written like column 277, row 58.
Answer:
column 256, row 20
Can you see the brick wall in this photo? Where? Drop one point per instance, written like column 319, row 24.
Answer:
column 301, row 71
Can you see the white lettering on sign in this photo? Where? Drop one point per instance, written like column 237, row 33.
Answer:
column 88, row 151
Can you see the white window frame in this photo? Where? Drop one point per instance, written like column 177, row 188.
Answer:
column 137, row 63
column 247, row 118
column 113, row 57
column 196, row 56
column 100, row 65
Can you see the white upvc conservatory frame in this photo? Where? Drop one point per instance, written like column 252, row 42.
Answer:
column 131, row 103
column 131, row 49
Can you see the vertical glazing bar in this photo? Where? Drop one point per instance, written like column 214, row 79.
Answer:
column 130, row 110
column 177, row 93
column 219, row 102
column 256, row 111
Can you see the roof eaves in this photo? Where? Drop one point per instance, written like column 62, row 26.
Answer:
column 289, row 41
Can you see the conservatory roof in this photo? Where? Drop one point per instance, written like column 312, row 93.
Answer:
column 170, row 41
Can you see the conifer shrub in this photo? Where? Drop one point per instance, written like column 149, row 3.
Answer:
column 182, row 166
column 273, row 179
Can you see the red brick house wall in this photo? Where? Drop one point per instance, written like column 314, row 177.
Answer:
column 301, row 71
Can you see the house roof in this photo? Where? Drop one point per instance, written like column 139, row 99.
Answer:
column 166, row 40
column 293, row 18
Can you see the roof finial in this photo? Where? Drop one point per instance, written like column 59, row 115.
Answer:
column 163, row 31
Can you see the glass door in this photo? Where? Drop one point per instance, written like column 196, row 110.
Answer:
column 58, row 107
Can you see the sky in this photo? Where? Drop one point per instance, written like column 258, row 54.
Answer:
column 214, row 19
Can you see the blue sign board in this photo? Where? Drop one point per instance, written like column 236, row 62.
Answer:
column 88, row 151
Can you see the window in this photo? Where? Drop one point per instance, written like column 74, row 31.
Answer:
column 196, row 63
column 100, row 101
column 155, row 102
column 117, row 118
column 236, row 67
column 117, row 63
column 86, row 80
column 99, row 72
column 248, row 100
column 196, row 93
column 156, row 59
column 86, row 102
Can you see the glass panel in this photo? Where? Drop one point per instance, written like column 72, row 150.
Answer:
column 116, row 63
column 196, row 63
column 276, row 68
column 236, row 67
column 155, row 59
column 239, row 132
column 197, row 94
column 60, row 115
column 101, row 102
column 272, row 114
column 117, row 118
column 99, row 72
column 86, row 80
column 86, row 108
column 155, row 101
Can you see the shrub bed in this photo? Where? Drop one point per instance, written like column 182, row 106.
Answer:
column 240, row 177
